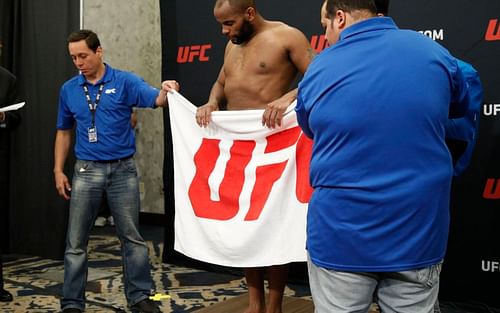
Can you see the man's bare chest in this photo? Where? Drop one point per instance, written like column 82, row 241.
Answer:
column 266, row 58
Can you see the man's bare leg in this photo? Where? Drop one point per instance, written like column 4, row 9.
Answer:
column 256, row 293
column 277, row 277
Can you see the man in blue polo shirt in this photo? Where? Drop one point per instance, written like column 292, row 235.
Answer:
column 98, row 103
column 376, row 103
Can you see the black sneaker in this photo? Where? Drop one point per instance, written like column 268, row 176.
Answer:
column 145, row 306
column 5, row 296
column 72, row 310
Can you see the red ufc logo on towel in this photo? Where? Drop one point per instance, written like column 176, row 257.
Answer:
column 188, row 54
column 493, row 31
column 266, row 175
column 492, row 189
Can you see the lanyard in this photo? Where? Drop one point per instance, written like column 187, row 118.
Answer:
column 93, row 106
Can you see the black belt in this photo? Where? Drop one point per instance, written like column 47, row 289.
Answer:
column 115, row 160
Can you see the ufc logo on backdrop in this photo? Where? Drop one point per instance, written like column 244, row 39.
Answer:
column 493, row 31
column 491, row 109
column 187, row 54
column 490, row 266
column 319, row 43
column 268, row 170
column 492, row 189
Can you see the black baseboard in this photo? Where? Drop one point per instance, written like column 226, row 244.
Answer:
column 152, row 219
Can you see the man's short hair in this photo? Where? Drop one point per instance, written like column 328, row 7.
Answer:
column 240, row 5
column 89, row 36
column 382, row 7
column 350, row 6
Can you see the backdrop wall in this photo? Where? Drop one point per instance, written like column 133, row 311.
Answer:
column 193, row 53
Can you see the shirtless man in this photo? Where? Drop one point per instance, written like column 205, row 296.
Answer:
column 261, row 61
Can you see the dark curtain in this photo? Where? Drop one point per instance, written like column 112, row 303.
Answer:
column 167, row 22
column 34, row 34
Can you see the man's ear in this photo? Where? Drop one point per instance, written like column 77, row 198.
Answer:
column 250, row 13
column 341, row 17
column 99, row 51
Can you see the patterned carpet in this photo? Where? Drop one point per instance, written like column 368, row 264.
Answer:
column 36, row 283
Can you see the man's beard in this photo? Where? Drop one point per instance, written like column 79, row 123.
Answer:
column 245, row 33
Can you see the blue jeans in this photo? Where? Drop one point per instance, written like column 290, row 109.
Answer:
column 352, row 292
column 118, row 180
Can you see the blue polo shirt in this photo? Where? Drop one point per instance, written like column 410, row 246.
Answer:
column 376, row 104
column 115, row 136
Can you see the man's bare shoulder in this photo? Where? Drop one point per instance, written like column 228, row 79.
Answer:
column 286, row 33
column 284, row 29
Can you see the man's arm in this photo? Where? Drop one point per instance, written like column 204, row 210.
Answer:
column 215, row 100
column 461, row 133
column 300, row 50
column 166, row 87
column 217, row 96
column 61, row 149
column 460, row 94
column 301, row 54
